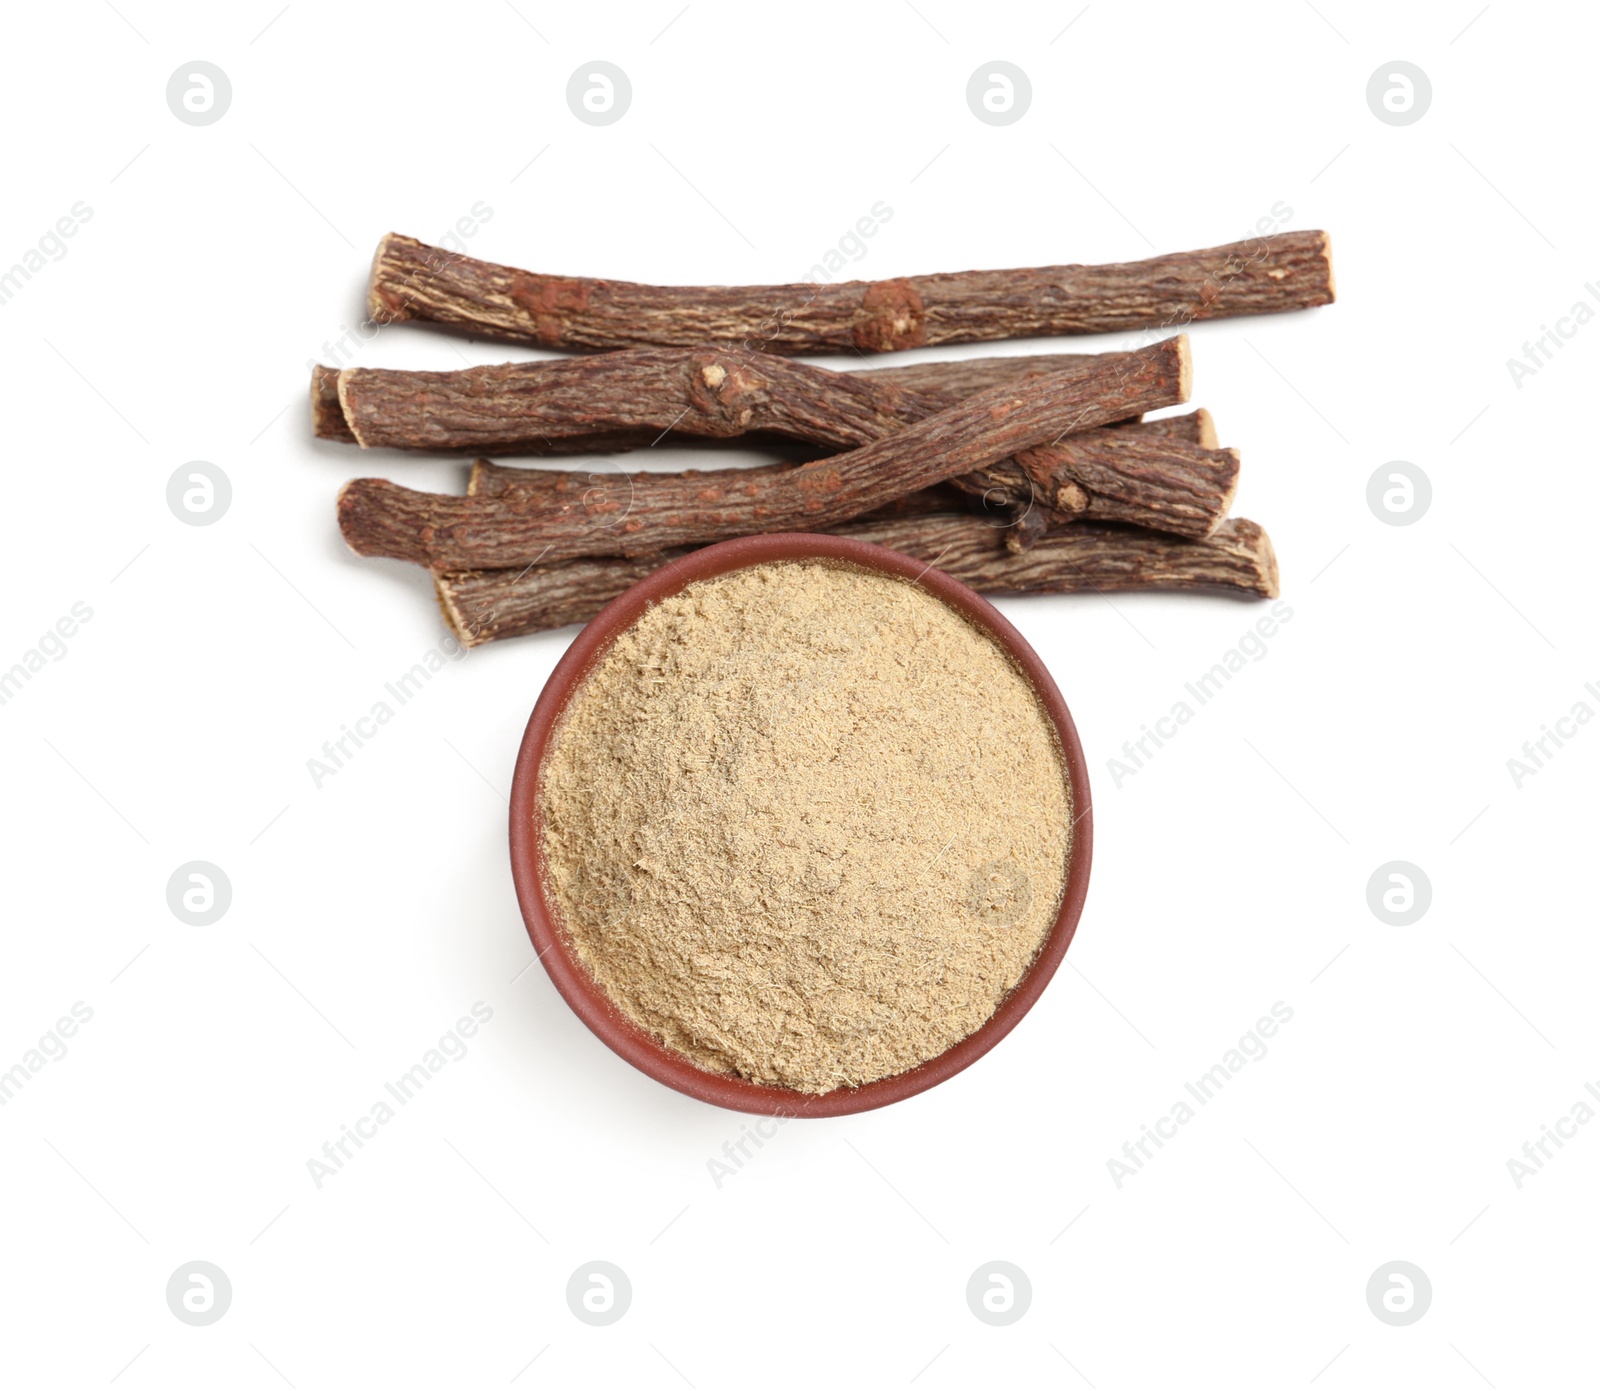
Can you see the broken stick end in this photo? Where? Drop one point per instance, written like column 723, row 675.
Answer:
column 1205, row 428
column 1325, row 245
column 1230, row 489
column 348, row 508
column 1265, row 557
column 327, row 415
column 467, row 633
column 341, row 387
column 1183, row 358
column 381, row 307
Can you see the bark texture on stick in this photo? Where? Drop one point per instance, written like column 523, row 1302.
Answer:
column 720, row 393
column 956, row 380
column 717, row 393
column 488, row 606
column 545, row 524
column 327, row 415
column 622, row 399
column 1148, row 474
column 1154, row 474
column 493, row 480
column 411, row 280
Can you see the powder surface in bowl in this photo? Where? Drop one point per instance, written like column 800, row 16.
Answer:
column 806, row 824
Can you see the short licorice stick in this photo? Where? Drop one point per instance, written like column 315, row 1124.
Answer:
column 487, row 606
column 411, row 280
column 542, row 526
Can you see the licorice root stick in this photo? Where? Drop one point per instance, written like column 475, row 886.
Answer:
column 410, row 280
column 487, row 606
column 630, row 399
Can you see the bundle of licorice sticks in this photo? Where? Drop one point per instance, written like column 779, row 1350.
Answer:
column 1023, row 474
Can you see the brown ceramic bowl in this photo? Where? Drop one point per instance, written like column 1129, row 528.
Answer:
column 560, row 958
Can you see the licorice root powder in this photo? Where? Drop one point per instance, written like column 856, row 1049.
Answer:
column 806, row 824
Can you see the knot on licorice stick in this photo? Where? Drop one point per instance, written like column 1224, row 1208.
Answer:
column 1070, row 497
column 547, row 300
column 892, row 318
column 723, row 391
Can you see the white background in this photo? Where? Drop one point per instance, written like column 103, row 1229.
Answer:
column 1229, row 874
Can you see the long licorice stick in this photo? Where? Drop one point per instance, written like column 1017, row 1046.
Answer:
column 950, row 380
column 487, row 606
column 410, row 280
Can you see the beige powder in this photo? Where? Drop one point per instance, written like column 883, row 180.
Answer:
column 806, row 824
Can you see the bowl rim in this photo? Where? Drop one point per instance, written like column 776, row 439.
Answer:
column 571, row 977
